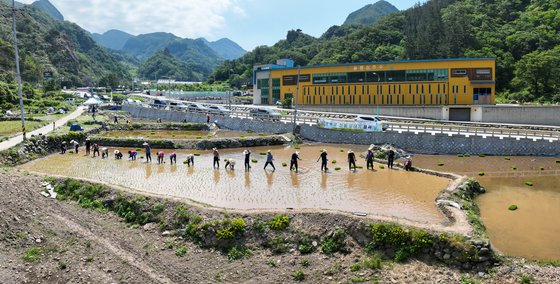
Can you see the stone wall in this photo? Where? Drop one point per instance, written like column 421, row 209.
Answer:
column 418, row 143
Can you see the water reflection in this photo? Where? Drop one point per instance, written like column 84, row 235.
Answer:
column 148, row 171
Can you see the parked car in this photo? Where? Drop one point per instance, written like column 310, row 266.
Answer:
column 178, row 105
column 197, row 108
column 265, row 113
column 375, row 119
column 217, row 109
column 160, row 102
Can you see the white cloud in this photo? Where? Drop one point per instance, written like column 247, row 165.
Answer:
column 185, row 18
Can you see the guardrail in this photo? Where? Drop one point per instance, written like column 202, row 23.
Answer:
column 243, row 112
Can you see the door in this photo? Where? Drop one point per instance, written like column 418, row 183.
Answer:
column 460, row 114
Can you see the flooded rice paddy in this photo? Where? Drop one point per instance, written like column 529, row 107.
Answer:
column 175, row 134
column 393, row 193
column 531, row 183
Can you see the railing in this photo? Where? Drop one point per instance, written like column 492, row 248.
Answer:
column 303, row 117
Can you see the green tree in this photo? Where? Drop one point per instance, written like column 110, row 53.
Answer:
column 539, row 72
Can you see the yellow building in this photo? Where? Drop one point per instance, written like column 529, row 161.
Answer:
column 464, row 81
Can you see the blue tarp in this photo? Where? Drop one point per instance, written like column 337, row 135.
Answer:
column 76, row 127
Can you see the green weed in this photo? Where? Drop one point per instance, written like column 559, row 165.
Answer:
column 182, row 251
column 279, row 222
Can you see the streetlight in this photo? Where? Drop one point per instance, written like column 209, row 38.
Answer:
column 296, row 101
column 18, row 75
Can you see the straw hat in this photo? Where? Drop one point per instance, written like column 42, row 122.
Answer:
column 87, row 139
column 350, row 151
column 145, row 144
column 268, row 151
column 297, row 153
column 324, row 150
column 214, row 149
column 245, row 152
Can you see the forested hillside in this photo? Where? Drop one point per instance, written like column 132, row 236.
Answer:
column 60, row 47
column 371, row 13
column 522, row 35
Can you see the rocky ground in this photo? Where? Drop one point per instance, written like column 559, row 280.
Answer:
column 47, row 241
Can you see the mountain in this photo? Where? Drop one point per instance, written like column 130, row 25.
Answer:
column 113, row 39
column 164, row 64
column 62, row 48
column 226, row 48
column 145, row 45
column 371, row 13
column 47, row 7
column 522, row 35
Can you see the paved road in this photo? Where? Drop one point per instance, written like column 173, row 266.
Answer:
column 44, row 130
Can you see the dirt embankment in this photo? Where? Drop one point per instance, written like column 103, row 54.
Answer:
column 49, row 241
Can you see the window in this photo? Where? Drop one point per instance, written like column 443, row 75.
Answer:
column 459, row 72
column 483, row 71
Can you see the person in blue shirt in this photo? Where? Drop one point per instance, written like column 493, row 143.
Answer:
column 269, row 160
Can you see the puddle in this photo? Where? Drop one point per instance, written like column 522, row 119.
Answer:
column 175, row 134
column 394, row 193
column 531, row 231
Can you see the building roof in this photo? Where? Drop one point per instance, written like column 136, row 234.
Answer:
column 279, row 67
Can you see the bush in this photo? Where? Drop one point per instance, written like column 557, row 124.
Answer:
column 512, row 207
column 259, row 225
column 405, row 242
column 373, row 262
column 355, row 267
column 279, row 222
column 298, row 275
column 526, row 279
column 225, row 234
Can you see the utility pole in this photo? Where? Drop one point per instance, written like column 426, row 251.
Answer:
column 18, row 75
column 295, row 103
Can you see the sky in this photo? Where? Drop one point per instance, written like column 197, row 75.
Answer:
column 250, row 23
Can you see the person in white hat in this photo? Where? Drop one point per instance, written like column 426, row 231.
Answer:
column 351, row 160
column 216, row 158
column 294, row 161
column 148, row 152
column 247, row 154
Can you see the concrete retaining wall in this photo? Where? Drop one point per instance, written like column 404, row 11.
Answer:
column 419, row 143
column 532, row 115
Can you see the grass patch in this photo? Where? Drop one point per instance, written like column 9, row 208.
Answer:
column 182, row 251
column 62, row 265
column 529, row 183
column 32, row 254
column 278, row 245
column 355, row 267
column 526, row 279
column 284, row 164
column 381, row 166
column 333, row 161
column 305, row 245
column 460, row 156
column 507, row 158
column 549, row 262
column 482, row 155
column 298, row 275
column 254, row 161
column 481, row 174
column 262, row 153
column 305, row 262
column 441, row 164
column 541, row 168
column 512, row 207
column 196, row 154
column 405, row 242
column 514, row 168
column 337, row 169
column 236, row 253
column 334, row 243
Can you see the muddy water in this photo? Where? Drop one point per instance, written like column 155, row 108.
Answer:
column 385, row 192
column 175, row 134
column 531, row 231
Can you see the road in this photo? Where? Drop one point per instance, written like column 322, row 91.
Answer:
column 449, row 128
column 44, row 130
